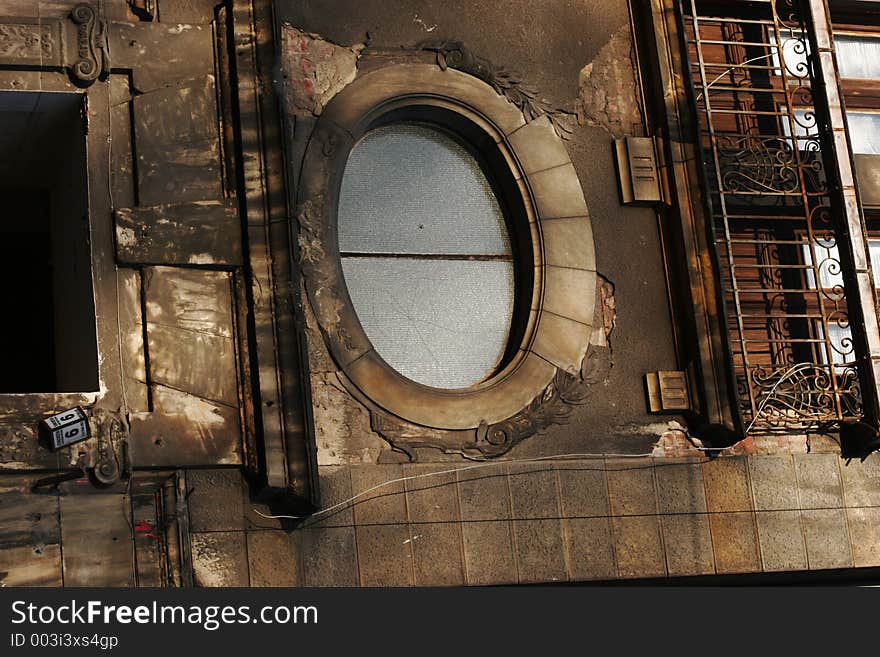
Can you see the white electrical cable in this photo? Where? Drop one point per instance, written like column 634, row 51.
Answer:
column 794, row 369
column 790, row 371
column 797, row 367
column 748, row 61
column 450, row 471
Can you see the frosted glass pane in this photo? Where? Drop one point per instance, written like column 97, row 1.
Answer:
column 864, row 132
column 858, row 57
column 874, row 250
column 411, row 189
column 443, row 323
column 828, row 263
column 795, row 52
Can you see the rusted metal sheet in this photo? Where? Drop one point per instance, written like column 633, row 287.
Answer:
column 195, row 300
column 131, row 326
column 178, row 148
column 195, row 418
column 198, row 363
column 30, row 535
column 185, row 430
column 198, row 233
column 96, row 534
column 189, row 332
column 159, row 53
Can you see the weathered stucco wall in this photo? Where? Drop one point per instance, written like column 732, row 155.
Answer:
column 578, row 57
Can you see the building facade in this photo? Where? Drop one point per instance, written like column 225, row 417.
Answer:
column 417, row 293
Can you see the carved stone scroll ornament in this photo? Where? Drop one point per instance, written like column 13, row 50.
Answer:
column 553, row 406
column 454, row 54
column 92, row 53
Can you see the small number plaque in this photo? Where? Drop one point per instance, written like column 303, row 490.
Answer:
column 67, row 427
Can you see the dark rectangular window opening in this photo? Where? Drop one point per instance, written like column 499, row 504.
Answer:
column 48, row 337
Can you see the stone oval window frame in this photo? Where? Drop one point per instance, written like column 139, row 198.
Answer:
column 551, row 220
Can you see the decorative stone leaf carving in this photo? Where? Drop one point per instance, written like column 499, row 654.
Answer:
column 454, row 54
column 553, row 406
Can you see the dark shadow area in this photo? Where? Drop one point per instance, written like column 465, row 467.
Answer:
column 47, row 336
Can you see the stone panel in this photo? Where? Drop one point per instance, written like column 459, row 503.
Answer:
column 638, row 546
column 384, row 555
column 774, row 486
column 727, row 484
column 735, row 542
column 818, row 480
column 864, row 532
column 688, row 544
column 437, row 554
column 680, row 487
column 274, row 558
column 781, row 540
column 329, row 556
column 488, row 553
column 540, row 555
column 589, row 548
column 826, row 538
column 215, row 500
column 631, row 486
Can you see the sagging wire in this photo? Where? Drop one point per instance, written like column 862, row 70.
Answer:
column 484, row 464
column 736, row 66
column 794, row 369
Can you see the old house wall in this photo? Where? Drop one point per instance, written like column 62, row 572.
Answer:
column 183, row 244
column 580, row 59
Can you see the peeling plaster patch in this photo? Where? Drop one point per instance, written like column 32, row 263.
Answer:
column 607, row 305
column 195, row 409
column 201, row 259
column 607, row 97
column 342, row 426
column 314, row 70
column 210, row 563
column 600, row 338
column 126, row 236
column 419, row 21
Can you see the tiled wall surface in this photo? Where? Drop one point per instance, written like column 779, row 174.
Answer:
column 547, row 522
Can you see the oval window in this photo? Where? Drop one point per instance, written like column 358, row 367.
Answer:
column 426, row 255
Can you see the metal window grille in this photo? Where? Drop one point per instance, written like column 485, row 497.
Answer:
column 776, row 243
